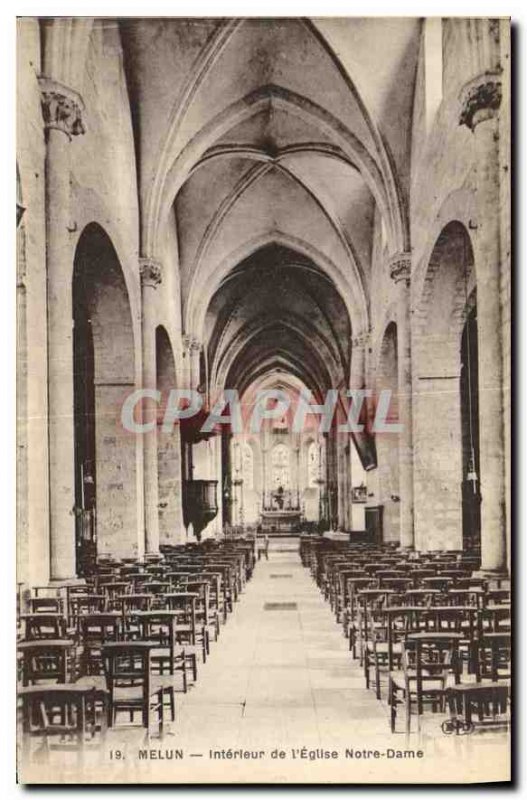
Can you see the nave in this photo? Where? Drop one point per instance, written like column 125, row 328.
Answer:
column 282, row 676
column 263, row 290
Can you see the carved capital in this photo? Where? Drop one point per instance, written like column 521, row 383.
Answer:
column 361, row 339
column 62, row 108
column 401, row 268
column 151, row 272
column 191, row 344
column 480, row 99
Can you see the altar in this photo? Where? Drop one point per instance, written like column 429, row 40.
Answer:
column 285, row 522
column 281, row 512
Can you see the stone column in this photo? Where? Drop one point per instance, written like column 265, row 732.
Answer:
column 62, row 112
column 191, row 352
column 359, row 344
column 297, row 482
column 342, row 466
column 332, row 478
column 265, row 474
column 400, row 271
column 151, row 275
column 480, row 102
column 226, row 479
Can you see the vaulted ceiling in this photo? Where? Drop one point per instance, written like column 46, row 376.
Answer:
column 278, row 312
column 271, row 145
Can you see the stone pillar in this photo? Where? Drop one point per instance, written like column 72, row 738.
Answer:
column 191, row 353
column 265, row 472
column 296, row 494
column 342, row 465
column 218, row 473
column 332, row 478
column 226, row 479
column 400, row 271
column 62, row 112
column 359, row 345
column 480, row 102
column 151, row 275
column 344, row 483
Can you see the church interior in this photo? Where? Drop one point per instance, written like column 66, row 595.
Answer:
column 290, row 206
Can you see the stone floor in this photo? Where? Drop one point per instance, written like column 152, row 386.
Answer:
column 281, row 679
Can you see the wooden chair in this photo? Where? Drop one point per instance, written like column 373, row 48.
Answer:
column 369, row 600
column 494, row 619
column 204, row 614
column 263, row 548
column 399, row 585
column 488, row 695
column 96, row 630
column 351, row 616
column 130, row 604
column 474, row 596
column 461, row 620
column 420, row 597
column 498, row 596
column 113, row 590
column 45, row 660
column 44, row 626
column 486, row 700
column 341, row 599
column 429, row 667
column 132, row 686
column 72, row 594
column 168, row 656
column 388, row 627
column 81, row 604
column 195, row 637
column 45, row 605
column 64, row 717
column 216, row 607
column 155, row 587
column 493, row 660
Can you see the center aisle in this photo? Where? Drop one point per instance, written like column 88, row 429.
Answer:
column 279, row 677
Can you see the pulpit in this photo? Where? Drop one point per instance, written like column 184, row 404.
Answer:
column 200, row 505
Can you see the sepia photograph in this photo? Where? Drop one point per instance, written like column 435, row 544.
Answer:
column 263, row 400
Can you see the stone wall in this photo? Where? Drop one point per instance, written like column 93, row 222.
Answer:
column 440, row 186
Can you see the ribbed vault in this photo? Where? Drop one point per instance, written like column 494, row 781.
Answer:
column 277, row 312
column 265, row 134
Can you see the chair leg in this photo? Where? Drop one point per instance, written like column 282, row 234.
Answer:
column 160, row 711
column 391, row 704
column 172, row 698
column 377, row 679
column 408, row 703
column 194, row 663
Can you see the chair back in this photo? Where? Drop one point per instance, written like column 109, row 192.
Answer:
column 44, row 660
column 84, row 604
column 98, row 628
column 427, row 667
column 45, row 626
column 493, row 661
column 127, row 665
column 64, row 711
column 45, row 605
